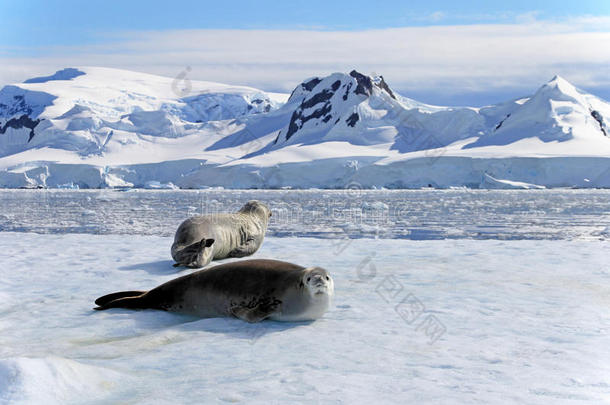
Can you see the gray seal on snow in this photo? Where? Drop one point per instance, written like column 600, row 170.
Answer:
column 251, row 290
column 203, row 238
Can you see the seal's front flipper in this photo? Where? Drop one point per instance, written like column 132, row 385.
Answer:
column 248, row 248
column 250, row 315
column 257, row 313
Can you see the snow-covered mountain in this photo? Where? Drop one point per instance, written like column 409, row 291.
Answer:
column 81, row 110
column 363, row 110
column 558, row 112
column 100, row 127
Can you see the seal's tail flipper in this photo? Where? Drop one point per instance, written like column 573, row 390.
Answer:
column 189, row 254
column 122, row 299
column 122, row 294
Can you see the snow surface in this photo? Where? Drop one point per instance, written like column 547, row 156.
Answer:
column 98, row 127
column 502, row 322
column 519, row 317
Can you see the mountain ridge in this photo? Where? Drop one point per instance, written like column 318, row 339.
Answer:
column 110, row 122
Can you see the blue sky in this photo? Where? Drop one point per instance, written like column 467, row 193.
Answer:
column 37, row 23
column 42, row 36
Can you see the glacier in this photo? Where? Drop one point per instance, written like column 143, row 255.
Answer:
column 91, row 127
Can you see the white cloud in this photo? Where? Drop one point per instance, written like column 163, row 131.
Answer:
column 434, row 17
column 436, row 58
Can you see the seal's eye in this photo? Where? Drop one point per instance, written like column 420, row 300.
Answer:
column 308, row 279
column 328, row 278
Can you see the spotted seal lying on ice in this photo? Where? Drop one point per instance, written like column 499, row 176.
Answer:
column 251, row 290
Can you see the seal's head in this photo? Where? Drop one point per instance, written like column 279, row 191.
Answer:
column 318, row 282
column 256, row 208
